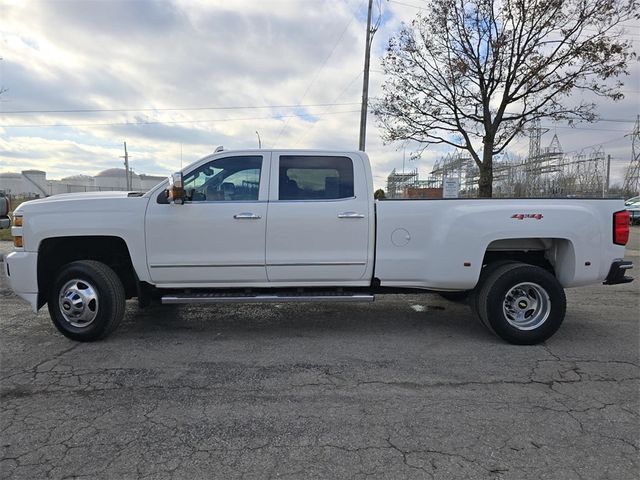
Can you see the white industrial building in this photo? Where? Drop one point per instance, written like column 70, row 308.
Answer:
column 29, row 183
column 34, row 183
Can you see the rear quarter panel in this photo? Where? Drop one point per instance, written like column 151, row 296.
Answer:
column 443, row 235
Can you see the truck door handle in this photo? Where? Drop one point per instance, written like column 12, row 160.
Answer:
column 350, row 215
column 246, row 216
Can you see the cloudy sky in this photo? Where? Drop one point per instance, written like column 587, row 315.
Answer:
column 177, row 78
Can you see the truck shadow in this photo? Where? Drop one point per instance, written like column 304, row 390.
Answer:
column 427, row 315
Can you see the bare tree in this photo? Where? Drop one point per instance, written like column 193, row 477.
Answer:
column 473, row 73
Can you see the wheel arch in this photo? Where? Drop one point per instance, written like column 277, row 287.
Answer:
column 556, row 255
column 113, row 251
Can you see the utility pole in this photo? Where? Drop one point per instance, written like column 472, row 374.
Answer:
column 608, row 175
column 404, row 150
column 2, row 89
column 365, row 81
column 126, row 167
column 259, row 141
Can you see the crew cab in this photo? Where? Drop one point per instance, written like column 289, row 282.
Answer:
column 298, row 225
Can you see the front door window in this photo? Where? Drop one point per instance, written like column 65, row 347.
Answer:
column 225, row 179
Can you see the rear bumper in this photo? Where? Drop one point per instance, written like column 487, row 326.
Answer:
column 617, row 272
column 21, row 268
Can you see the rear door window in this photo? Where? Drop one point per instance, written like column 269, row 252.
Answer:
column 315, row 178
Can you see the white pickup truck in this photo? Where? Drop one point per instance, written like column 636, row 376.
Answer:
column 293, row 225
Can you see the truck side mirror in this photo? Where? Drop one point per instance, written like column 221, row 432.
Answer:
column 175, row 190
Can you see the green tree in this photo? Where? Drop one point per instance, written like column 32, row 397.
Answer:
column 473, row 74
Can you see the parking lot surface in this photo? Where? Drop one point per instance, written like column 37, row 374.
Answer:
column 411, row 386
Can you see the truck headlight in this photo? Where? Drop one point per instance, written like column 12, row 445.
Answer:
column 17, row 242
column 17, row 220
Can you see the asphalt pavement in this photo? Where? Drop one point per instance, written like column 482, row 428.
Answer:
column 411, row 386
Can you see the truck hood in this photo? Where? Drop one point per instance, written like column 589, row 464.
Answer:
column 75, row 198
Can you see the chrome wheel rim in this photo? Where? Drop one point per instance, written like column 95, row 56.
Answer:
column 78, row 302
column 526, row 306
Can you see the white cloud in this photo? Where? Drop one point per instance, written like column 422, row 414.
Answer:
column 66, row 55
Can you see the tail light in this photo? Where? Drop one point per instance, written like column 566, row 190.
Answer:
column 621, row 227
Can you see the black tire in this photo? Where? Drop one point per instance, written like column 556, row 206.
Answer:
column 473, row 300
column 522, row 304
column 106, row 294
column 457, row 297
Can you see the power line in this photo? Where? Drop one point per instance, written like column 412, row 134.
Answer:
column 338, row 97
column 124, row 110
column 211, row 120
column 407, row 5
column 315, row 77
column 619, row 120
column 551, row 127
column 606, row 142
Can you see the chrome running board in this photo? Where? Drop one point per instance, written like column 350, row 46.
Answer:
column 266, row 298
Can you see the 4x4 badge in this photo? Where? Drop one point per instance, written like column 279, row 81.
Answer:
column 522, row 216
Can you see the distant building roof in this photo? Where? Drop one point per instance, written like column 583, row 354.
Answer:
column 114, row 172
column 10, row 175
column 39, row 172
column 144, row 176
column 80, row 177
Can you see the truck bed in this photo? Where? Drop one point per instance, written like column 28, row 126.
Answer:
column 441, row 244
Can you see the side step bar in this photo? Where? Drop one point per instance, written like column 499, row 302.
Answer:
column 265, row 298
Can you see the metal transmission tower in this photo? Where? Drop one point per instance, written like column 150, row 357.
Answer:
column 632, row 178
column 586, row 170
column 535, row 134
column 533, row 164
column 547, row 172
column 460, row 165
column 397, row 182
column 543, row 164
column 456, row 164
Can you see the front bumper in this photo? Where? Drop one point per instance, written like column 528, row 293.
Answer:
column 21, row 268
column 617, row 273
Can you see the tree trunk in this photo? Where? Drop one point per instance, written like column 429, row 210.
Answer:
column 485, row 185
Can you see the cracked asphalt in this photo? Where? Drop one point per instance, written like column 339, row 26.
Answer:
column 411, row 386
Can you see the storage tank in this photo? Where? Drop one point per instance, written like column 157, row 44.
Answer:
column 11, row 183
column 147, row 182
column 35, row 183
column 54, row 187
column 77, row 183
column 115, row 179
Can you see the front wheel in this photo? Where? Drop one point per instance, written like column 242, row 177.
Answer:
column 523, row 304
column 86, row 301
